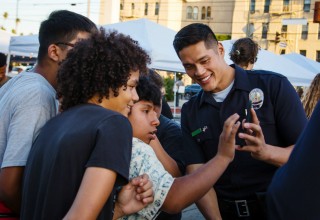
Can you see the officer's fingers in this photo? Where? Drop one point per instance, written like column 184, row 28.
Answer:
column 248, row 148
column 249, row 138
column 255, row 128
column 242, row 124
column 250, row 132
column 254, row 116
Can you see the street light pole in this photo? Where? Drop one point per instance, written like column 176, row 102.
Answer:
column 248, row 21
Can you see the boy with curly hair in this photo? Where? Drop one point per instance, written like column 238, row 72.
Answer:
column 82, row 155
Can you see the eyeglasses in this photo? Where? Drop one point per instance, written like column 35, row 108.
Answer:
column 67, row 44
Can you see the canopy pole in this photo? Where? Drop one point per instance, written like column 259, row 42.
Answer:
column 8, row 62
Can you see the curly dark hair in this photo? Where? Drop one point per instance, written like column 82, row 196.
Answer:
column 98, row 64
column 244, row 51
column 148, row 91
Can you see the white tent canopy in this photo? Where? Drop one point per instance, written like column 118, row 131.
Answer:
column 307, row 63
column 4, row 41
column 155, row 39
column 24, row 45
column 296, row 74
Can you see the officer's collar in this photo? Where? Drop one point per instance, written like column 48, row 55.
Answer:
column 241, row 78
column 241, row 82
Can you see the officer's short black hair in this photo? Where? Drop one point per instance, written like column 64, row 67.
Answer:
column 192, row 34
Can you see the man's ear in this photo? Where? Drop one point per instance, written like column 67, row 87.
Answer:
column 220, row 49
column 53, row 52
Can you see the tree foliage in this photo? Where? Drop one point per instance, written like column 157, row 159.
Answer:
column 168, row 83
column 222, row 37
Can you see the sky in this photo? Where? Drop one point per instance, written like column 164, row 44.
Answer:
column 32, row 12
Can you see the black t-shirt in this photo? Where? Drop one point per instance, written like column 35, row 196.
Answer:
column 83, row 136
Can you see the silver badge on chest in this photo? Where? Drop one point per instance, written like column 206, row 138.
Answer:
column 256, row 96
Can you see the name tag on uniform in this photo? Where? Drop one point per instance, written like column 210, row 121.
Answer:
column 199, row 131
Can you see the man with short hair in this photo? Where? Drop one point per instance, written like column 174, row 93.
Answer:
column 3, row 65
column 227, row 90
column 28, row 100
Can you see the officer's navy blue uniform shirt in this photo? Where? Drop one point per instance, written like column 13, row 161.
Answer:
column 281, row 117
column 170, row 137
column 295, row 189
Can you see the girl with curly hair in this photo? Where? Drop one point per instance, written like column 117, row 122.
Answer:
column 312, row 96
column 82, row 155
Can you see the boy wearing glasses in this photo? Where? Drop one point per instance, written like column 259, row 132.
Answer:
column 28, row 101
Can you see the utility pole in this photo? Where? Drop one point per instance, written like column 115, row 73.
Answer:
column 158, row 11
column 276, row 41
column 248, row 20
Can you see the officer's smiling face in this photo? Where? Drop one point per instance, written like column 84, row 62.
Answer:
column 205, row 65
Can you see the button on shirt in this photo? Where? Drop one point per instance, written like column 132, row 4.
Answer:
column 281, row 117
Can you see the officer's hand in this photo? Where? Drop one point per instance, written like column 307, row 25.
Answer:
column 255, row 143
column 227, row 141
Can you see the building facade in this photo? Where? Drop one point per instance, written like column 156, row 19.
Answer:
column 280, row 26
column 285, row 26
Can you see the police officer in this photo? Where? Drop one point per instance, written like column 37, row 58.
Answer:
column 227, row 90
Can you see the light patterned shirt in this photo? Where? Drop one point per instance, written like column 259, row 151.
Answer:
column 144, row 160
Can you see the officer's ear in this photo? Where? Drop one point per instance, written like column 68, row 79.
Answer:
column 220, row 49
